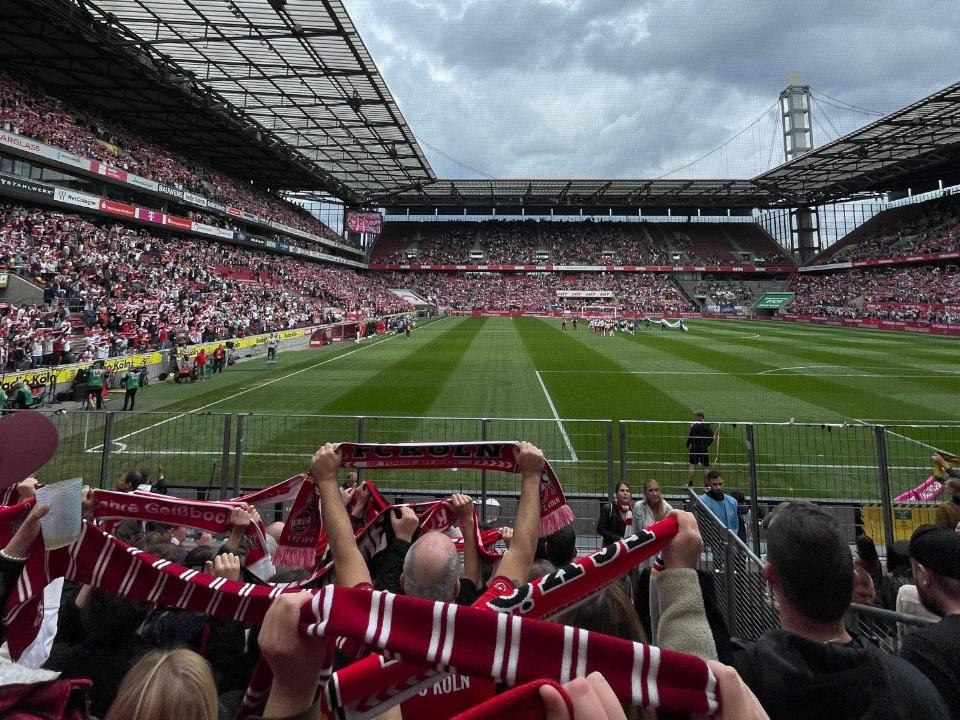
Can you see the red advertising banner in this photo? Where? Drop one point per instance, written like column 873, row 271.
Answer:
column 117, row 208
column 369, row 223
column 179, row 222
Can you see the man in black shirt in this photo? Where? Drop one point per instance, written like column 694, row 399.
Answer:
column 812, row 667
column 699, row 440
column 935, row 649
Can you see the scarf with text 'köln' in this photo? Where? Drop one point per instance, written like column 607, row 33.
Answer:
column 102, row 561
column 371, row 686
column 301, row 542
column 509, row 649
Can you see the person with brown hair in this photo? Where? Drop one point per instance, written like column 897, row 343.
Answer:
column 167, row 685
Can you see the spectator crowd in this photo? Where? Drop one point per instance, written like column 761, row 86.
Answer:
column 921, row 293
column 110, row 288
column 126, row 654
column 27, row 109
column 537, row 292
column 577, row 243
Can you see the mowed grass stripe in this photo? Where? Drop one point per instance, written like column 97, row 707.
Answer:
column 839, row 397
column 495, row 377
column 410, row 385
column 616, row 396
column 885, row 376
column 840, row 358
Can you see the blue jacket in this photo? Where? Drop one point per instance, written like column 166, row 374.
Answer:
column 725, row 509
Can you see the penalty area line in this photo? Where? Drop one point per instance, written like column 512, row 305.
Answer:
column 556, row 416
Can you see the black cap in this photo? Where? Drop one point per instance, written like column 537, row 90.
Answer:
column 937, row 549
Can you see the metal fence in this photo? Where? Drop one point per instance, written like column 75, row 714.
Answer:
column 855, row 471
column 747, row 603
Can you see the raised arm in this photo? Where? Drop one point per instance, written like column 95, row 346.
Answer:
column 526, row 529
column 463, row 505
column 348, row 562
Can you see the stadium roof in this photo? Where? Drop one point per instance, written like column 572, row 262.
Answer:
column 635, row 193
column 284, row 92
column 291, row 72
column 916, row 144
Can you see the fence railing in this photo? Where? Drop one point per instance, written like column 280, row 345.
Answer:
column 855, row 471
column 747, row 603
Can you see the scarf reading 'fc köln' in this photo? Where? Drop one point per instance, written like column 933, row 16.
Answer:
column 508, row 649
column 681, row 684
column 369, row 687
column 299, row 546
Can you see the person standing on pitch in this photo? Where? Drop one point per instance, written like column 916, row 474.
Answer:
column 272, row 344
column 699, row 440
column 130, row 383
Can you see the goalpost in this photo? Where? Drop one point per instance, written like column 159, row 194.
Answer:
column 600, row 311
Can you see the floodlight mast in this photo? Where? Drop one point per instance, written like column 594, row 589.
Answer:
column 798, row 139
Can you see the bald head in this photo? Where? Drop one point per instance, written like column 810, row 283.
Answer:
column 431, row 569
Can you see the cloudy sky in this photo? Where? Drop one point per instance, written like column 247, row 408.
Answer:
column 635, row 88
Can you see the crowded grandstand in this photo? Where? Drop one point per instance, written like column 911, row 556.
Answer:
column 202, row 201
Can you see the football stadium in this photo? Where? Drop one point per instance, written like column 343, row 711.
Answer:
column 660, row 349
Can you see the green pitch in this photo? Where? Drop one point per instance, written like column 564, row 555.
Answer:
column 556, row 388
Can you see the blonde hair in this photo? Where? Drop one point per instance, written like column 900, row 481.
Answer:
column 167, row 685
column 659, row 513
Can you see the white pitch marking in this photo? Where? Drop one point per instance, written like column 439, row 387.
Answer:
column 556, row 416
column 904, row 437
column 244, row 392
column 750, row 337
column 795, row 367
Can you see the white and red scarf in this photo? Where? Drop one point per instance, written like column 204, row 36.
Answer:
column 508, row 649
column 103, row 561
column 303, row 545
column 369, row 687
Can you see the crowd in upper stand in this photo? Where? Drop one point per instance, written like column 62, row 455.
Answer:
column 924, row 293
column 639, row 292
column 578, row 243
column 27, row 109
column 724, row 292
column 124, row 288
column 921, row 229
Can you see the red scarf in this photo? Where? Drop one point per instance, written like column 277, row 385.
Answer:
column 370, row 686
column 509, row 649
column 554, row 511
column 214, row 517
column 301, row 543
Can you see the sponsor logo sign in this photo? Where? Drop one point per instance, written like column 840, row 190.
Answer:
column 194, row 199
column 179, row 222
column 24, row 185
column 170, row 190
column 117, row 208
column 72, row 197
column 21, row 142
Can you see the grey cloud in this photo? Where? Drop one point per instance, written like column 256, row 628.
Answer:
column 616, row 88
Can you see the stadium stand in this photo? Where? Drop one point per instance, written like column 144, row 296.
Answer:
column 537, row 292
column 926, row 293
column 921, row 229
column 577, row 243
column 110, row 287
column 27, row 109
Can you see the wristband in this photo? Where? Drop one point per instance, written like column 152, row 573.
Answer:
column 12, row 558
